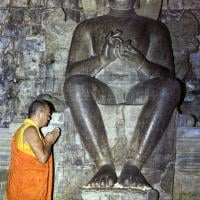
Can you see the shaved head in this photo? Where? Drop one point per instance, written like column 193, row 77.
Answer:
column 36, row 105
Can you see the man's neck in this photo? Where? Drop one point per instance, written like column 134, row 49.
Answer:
column 36, row 121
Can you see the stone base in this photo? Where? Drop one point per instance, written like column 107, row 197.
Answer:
column 187, row 166
column 119, row 194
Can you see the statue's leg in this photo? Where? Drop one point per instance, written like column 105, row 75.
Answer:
column 82, row 94
column 160, row 97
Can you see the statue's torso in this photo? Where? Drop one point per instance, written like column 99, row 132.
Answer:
column 134, row 29
column 119, row 75
column 142, row 32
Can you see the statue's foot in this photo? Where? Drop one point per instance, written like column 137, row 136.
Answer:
column 105, row 177
column 131, row 176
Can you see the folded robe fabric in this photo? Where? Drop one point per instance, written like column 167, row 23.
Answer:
column 19, row 136
column 28, row 179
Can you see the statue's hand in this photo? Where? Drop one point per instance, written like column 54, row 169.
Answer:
column 129, row 53
column 112, row 46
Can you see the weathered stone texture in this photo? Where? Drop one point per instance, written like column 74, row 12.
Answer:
column 183, row 32
column 119, row 194
column 40, row 45
column 4, row 3
column 187, row 177
column 38, row 27
column 5, row 137
column 34, row 46
column 181, row 4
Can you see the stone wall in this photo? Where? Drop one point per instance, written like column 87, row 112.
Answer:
column 35, row 36
column 34, row 43
column 35, row 39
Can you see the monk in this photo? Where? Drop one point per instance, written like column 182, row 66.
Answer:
column 121, row 38
column 31, row 167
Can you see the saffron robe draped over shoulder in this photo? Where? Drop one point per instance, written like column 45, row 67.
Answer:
column 28, row 179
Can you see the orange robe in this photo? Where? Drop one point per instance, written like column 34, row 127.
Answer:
column 28, row 179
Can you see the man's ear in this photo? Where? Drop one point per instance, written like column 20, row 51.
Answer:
column 38, row 114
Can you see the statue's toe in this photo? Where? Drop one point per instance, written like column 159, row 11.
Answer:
column 104, row 178
column 132, row 177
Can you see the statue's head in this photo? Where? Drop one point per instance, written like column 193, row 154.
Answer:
column 123, row 4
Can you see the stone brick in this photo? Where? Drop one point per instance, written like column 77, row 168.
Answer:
column 3, row 175
column 9, row 30
column 36, row 15
column 18, row 3
column 118, row 194
column 59, row 32
column 37, row 3
column 5, row 138
column 3, row 15
column 181, row 4
column 29, row 66
column 35, row 44
column 16, row 16
column 187, row 178
column 31, row 43
column 192, row 4
column 176, row 4
column 4, row 3
column 6, row 42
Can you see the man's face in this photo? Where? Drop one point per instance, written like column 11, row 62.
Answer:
column 122, row 3
column 45, row 116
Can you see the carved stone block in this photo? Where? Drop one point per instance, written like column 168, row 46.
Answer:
column 118, row 194
column 187, row 168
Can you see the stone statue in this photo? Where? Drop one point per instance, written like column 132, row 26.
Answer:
column 124, row 38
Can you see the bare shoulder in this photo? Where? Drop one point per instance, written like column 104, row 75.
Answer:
column 31, row 133
column 83, row 26
column 89, row 25
column 158, row 28
column 30, row 129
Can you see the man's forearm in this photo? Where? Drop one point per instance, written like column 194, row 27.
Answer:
column 47, row 148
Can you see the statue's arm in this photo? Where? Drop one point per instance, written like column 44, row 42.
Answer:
column 82, row 59
column 153, row 69
column 158, row 60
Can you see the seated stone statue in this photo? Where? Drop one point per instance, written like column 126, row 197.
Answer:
column 143, row 44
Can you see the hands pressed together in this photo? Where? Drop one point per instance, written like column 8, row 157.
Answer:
column 52, row 136
column 115, row 47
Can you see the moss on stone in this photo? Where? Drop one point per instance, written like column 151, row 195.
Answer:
column 186, row 196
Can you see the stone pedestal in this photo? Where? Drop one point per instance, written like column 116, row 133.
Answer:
column 187, row 167
column 119, row 194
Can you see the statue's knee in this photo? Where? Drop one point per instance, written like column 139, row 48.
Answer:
column 74, row 82
column 68, row 85
column 73, row 86
column 171, row 89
